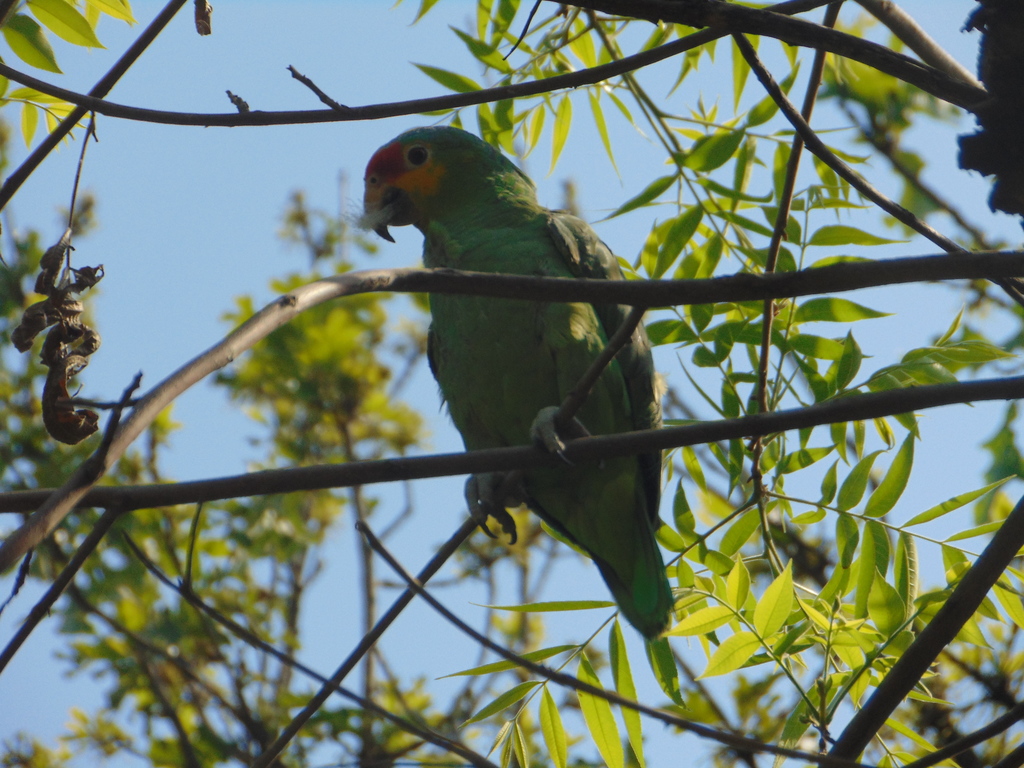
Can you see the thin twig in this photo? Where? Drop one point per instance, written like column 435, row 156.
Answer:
column 272, row 752
column 333, row 686
column 743, row 287
column 768, row 316
column 903, row 25
column 339, row 108
column 90, row 132
column 42, row 608
column 740, row 19
column 961, row 745
column 578, row 394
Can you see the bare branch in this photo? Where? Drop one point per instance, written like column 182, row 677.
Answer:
column 902, row 25
column 732, row 18
column 743, row 287
column 271, row 753
column 722, row 18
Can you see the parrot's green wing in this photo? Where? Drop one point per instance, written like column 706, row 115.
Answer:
column 588, row 257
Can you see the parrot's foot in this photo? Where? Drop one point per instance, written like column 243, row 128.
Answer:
column 490, row 494
column 545, row 433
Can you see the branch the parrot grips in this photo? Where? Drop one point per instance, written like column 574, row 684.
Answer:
column 491, row 494
column 546, row 431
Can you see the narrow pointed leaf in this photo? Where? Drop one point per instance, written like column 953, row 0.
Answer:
column 553, row 730
column 618, row 660
column 597, row 714
column 888, row 492
column 775, row 604
column 732, row 654
column 506, row 699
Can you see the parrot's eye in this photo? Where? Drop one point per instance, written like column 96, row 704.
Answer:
column 417, row 155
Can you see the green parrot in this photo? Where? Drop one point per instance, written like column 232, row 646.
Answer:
column 504, row 365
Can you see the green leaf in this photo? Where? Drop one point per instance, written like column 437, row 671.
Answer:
column 737, row 585
column 710, row 152
column 484, row 53
column 817, row 346
column 978, row 530
column 28, row 42
column 732, row 654
column 519, row 745
column 618, row 660
column 64, row 20
column 1011, row 604
column 833, row 310
column 650, row 192
column 425, row 6
column 840, row 234
column 663, row 665
column 506, row 699
column 888, row 492
column 29, row 122
column 775, row 604
column 501, row 666
column 796, row 726
column 597, row 714
column 670, row 332
column 563, row 121
column 703, row 621
column 852, row 489
column 602, row 127
column 954, row 503
column 847, row 539
column 886, row 609
column 905, row 568
column 801, row 459
column 554, row 606
column 553, row 730
column 739, row 533
column 679, row 233
column 453, row 81
column 829, row 483
column 849, row 362
column 119, row 9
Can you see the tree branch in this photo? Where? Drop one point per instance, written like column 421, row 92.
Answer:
column 1013, row 287
column 727, row 19
column 730, row 18
column 269, row 756
column 743, row 287
column 903, row 25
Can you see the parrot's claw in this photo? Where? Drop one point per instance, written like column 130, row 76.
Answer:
column 489, row 494
column 545, row 432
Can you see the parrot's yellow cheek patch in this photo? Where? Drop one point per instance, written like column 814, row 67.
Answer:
column 423, row 182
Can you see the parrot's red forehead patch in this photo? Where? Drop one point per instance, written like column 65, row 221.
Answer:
column 387, row 162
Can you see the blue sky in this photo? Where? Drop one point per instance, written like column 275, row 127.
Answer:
column 188, row 220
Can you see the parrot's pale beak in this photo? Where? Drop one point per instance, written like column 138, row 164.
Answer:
column 384, row 206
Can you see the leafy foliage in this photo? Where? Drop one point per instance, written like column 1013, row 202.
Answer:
column 797, row 563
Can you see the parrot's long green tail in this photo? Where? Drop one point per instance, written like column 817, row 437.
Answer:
column 641, row 589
